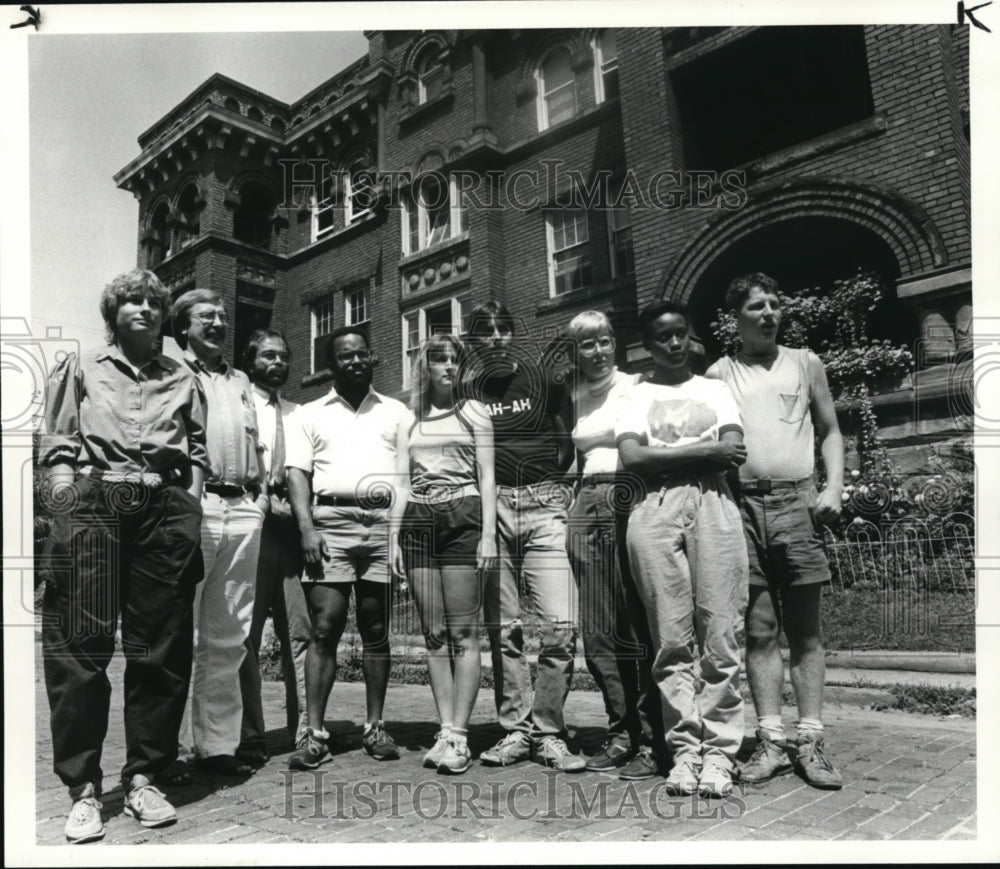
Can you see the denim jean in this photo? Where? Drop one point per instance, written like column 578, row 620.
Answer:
column 531, row 531
column 689, row 559
column 137, row 557
column 278, row 593
column 613, row 625
column 223, row 611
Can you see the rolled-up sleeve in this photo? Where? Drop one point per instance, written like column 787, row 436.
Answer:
column 195, row 424
column 61, row 439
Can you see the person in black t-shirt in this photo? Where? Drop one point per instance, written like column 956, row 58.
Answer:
column 529, row 412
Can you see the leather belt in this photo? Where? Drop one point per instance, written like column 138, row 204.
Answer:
column 230, row 490
column 144, row 478
column 765, row 485
column 373, row 503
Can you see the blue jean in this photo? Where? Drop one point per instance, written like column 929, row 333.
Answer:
column 689, row 559
column 531, row 531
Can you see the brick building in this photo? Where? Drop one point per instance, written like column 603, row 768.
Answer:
column 560, row 170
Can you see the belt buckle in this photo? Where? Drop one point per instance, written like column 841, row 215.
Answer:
column 764, row 486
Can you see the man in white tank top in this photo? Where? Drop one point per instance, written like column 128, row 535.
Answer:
column 783, row 396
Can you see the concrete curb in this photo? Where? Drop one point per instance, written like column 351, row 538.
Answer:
column 924, row 662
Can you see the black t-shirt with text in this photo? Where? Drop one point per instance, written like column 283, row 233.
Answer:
column 523, row 406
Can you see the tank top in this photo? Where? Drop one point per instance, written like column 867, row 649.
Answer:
column 774, row 407
column 442, row 457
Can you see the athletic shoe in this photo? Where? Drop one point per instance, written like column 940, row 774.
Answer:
column 614, row 753
column 683, row 778
column 313, row 749
column 513, row 748
column 644, row 765
column 433, row 757
column 769, row 760
column 812, row 765
column 378, row 743
column 716, row 777
column 147, row 804
column 457, row 758
column 84, row 823
column 553, row 751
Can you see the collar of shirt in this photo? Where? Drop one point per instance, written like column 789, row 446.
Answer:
column 114, row 353
column 371, row 397
column 266, row 394
column 225, row 369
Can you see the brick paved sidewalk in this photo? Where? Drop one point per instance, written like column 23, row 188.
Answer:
column 906, row 777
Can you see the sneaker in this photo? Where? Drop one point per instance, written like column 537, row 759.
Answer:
column 378, row 743
column 716, row 777
column 433, row 757
column 683, row 778
column 769, row 759
column 514, row 747
column 457, row 758
column 614, row 753
column 84, row 823
column 147, row 804
column 554, row 752
column 812, row 765
column 312, row 750
column 644, row 765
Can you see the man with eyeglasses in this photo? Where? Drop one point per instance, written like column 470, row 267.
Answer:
column 279, row 593
column 232, row 515
column 348, row 470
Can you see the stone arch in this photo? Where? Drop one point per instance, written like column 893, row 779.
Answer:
column 901, row 224
column 419, row 46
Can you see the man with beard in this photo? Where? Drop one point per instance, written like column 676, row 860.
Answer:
column 232, row 514
column 279, row 569
column 348, row 467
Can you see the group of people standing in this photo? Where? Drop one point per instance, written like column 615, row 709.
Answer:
column 192, row 501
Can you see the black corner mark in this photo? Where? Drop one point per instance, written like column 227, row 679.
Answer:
column 34, row 18
column 963, row 13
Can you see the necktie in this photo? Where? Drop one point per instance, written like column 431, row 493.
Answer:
column 278, row 446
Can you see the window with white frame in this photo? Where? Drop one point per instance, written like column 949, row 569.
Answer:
column 556, row 89
column 323, row 207
column 620, row 241
column 356, row 307
column 359, row 188
column 569, row 254
column 444, row 317
column 430, row 75
column 605, row 66
column 322, row 326
column 434, row 212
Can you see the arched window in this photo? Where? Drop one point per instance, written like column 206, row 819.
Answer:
column 430, row 74
column 232, row 104
column 605, row 66
column 190, row 213
column 253, row 217
column 159, row 236
column 255, row 114
column 556, row 89
column 278, row 124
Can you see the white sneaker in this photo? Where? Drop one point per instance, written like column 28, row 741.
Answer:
column 716, row 779
column 514, row 747
column 148, row 805
column 457, row 758
column 440, row 748
column 683, row 778
column 84, row 823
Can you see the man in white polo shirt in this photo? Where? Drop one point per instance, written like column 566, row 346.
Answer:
column 352, row 445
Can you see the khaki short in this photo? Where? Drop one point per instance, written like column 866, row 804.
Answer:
column 357, row 541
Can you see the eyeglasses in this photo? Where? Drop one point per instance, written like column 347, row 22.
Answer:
column 351, row 355
column 209, row 319
column 590, row 346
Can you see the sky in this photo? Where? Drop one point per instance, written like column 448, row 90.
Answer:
column 90, row 96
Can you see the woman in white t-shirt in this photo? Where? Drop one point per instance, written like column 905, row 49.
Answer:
column 448, row 538
column 612, row 619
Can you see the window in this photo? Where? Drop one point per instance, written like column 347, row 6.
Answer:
column 322, row 326
column 359, row 188
column 430, row 75
column 189, row 224
column 323, row 208
column 433, row 213
column 556, row 89
column 253, row 217
column 620, row 240
column 759, row 94
column 605, row 66
column 569, row 255
column 355, row 307
column 447, row 317
column 160, row 235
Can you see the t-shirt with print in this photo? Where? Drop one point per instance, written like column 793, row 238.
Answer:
column 523, row 406
column 675, row 416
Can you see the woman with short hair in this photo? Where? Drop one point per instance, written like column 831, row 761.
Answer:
column 124, row 445
column 449, row 538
